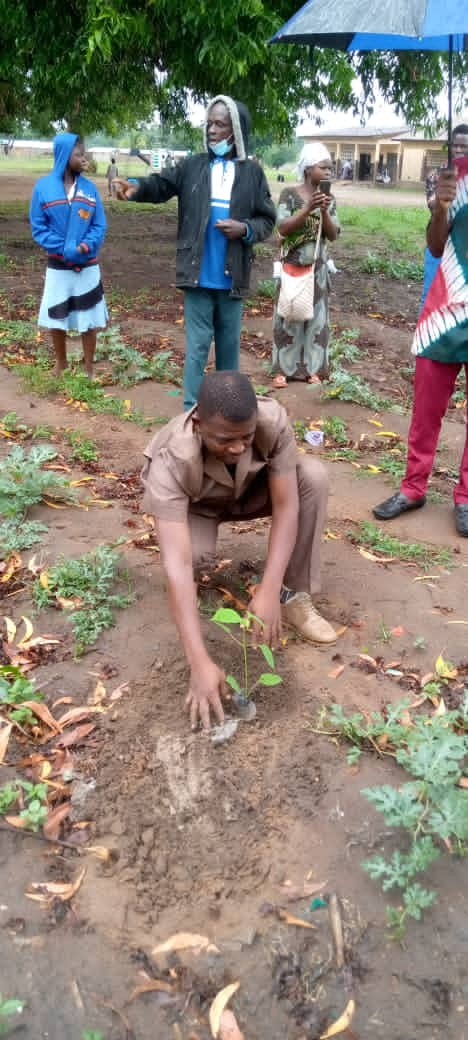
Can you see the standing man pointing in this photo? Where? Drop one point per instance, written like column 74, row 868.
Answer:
column 225, row 207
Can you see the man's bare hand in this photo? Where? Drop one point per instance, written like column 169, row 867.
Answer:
column 268, row 609
column 446, row 188
column 124, row 190
column 207, row 685
column 232, row 228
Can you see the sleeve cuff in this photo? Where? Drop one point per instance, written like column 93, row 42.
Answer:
column 248, row 237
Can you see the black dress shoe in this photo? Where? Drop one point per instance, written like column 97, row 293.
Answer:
column 399, row 503
column 461, row 519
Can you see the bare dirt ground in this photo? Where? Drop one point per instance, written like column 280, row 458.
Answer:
column 222, row 841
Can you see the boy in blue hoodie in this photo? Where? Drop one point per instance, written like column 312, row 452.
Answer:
column 68, row 221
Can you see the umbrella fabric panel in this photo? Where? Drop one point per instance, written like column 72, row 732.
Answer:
column 394, row 19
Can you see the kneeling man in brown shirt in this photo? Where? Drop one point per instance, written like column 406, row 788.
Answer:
column 234, row 457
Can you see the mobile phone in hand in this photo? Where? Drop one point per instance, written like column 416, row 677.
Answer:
column 325, row 187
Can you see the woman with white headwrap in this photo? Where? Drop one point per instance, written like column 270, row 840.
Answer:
column 300, row 348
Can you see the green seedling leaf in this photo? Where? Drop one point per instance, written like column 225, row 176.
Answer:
column 269, row 679
column 268, row 655
column 232, row 682
column 227, row 616
column 11, row 1007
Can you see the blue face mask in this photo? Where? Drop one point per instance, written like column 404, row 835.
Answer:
column 221, row 148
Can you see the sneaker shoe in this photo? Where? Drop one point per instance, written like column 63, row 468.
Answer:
column 299, row 612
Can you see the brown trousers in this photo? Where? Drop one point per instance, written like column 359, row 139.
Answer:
column 303, row 570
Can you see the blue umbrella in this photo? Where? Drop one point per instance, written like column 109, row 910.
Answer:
column 382, row 25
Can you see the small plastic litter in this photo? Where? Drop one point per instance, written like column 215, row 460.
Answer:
column 314, row 437
column 246, row 708
column 318, row 903
column 224, row 732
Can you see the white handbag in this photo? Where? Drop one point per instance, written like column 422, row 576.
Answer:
column 296, row 295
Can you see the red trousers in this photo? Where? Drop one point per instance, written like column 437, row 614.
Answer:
column 433, row 387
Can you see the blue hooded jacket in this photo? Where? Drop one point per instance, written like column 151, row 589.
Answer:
column 60, row 226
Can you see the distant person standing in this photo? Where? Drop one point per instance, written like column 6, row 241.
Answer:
column 307, row 219
column 111, row 173
column 68, row 221
column 225, row 207
column 347, row 170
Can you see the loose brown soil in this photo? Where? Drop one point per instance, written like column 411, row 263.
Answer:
column 204, row 838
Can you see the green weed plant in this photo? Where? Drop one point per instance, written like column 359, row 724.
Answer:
column 429, row 809
column 88, row 584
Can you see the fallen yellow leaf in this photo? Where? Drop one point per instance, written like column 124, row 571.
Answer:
column 46, row 891
column 152, row 986
column 28, row 631
column 297, row 921
column 445, row 669
column 218, row 1005
column 11, row 629
column 185, row 941
column 5, row 733
column 342, row 1023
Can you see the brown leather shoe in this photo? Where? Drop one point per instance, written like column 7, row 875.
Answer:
column 299, row 613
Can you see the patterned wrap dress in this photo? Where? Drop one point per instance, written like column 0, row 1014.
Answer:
column 300, row 348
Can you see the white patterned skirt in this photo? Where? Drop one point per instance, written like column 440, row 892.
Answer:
column 73, row 299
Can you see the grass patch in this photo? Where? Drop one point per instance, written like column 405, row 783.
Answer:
column 39, row 379
column 267, row 288
column 401, row 270
column 85, row 588
column 372, row 537
column 392, row 229
column 15, row 332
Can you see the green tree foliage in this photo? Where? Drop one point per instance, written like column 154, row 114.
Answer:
column 105, row 64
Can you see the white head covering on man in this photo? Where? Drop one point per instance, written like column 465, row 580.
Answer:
column 312, row 153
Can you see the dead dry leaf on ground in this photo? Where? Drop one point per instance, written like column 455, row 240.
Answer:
column 46, row 891
column 78, row 713
column 228, row 1028
column 342, row 1023
column 119, row 691
column 218, row 1005
column 376, row 559
column 297, row 921
column 77, row 735
column 445, row 669
column 13, row 564
column 5, row 733
column 42, row 712
column 55, row 819
column 152, row 986
column 336, row 672
column 101, row 852
column 185, row 941
column 17, row 821
column 10, row 628
column 28, row 631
